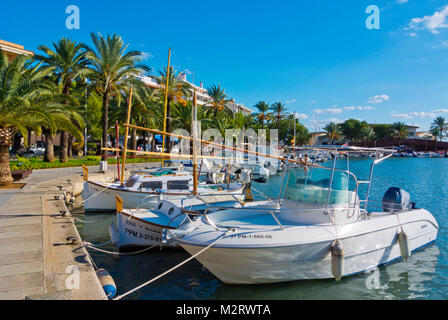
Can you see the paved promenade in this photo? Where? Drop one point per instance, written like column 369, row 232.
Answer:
column 35, row 257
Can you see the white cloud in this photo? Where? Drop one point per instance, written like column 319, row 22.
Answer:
column 394, row 114
column 301, row 116
column 146, row 55
column 359, row 108
column 441, row 44
column 335, row 120
column 412, row 34
column 378, row 98
column 329, row 110
column 431, row 23
column 418, row 114
column 291, row 101
column 402, row 1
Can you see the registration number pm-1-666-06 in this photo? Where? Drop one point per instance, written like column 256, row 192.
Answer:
column 252, row 236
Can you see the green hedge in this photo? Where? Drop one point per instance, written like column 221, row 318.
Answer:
column 37, row 162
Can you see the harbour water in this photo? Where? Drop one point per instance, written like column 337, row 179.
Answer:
column 423, row 276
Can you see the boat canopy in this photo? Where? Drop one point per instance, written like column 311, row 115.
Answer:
column 312, row 185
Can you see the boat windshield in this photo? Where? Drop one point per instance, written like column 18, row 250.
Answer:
column 312, row 185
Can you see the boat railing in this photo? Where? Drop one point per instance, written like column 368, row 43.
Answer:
column 206, row 203
column 274, row 212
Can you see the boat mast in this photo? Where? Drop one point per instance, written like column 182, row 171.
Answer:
column 166, row 100
column 194, row 129
column 128, row 120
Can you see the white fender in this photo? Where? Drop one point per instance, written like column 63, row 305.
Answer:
column 404, row 245
column 337, row 260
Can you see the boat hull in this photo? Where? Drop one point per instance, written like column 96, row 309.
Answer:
column 132, row 232
column 100, row 198
column 367, row 244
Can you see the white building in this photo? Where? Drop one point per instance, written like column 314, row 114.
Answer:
column 201, row 94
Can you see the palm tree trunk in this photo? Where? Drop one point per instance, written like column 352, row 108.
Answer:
column 105, row 121
column 29, row 140
column 134, row 139
column 5, row 171
column 17, row 144
column 6, row 138
column 49, row 147
column 153, row 143
column 70, row 145
column 63, row 153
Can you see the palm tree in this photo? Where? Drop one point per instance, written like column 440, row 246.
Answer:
column 177, row 91
column 333, row 131
column 113, row 70
column 20, row 82
column 440, row 123
column 220, row 123
column 218, row 99
column 400, row 131
column 435, row 131
column 368, row 135
column 262, row 115
column 279, row 110
column 68, row 63
column 243, row 121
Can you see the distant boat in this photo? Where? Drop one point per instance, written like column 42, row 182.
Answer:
column 146, row 188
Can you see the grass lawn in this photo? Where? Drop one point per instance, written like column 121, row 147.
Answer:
column 37, row 162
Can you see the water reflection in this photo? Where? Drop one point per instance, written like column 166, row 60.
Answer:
column 424, row 276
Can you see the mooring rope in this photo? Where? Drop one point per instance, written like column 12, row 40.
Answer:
column 90, row 246
column 173, row 268
column 87, row 222
column 94, row 195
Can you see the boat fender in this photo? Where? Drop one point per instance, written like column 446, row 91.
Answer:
column 337, row 260
column 106, row 280
column 404, row 245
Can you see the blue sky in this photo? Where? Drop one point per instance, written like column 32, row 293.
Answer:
column 316, row 56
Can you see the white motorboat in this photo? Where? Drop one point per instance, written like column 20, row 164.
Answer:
column 263, row 168
column 145, row 227
column 318, row 229
column 145, row 189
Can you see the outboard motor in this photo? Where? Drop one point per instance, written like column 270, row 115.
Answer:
column 397, row 200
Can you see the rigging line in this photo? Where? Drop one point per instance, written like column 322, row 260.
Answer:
column 172, row 269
